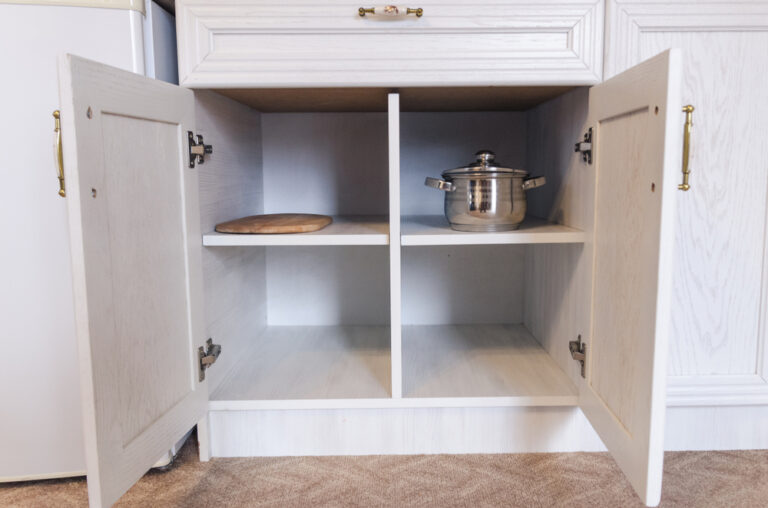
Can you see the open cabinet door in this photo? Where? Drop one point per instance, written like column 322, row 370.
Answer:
column 135, row 240
column 636, row 123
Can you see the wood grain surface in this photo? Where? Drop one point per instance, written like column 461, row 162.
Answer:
column 275, row 223
column 720, row 233
column 139, row 309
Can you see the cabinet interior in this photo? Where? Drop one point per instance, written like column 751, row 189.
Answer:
column 482, row 316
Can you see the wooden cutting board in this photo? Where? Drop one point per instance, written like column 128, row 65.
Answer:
column 275, row 223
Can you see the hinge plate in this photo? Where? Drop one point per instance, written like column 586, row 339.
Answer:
column 197, row 150
column 579, row 353
column 207, row 356
column 585, row 147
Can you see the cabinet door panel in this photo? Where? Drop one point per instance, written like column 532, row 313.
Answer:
column 637, row 122
column 134, row 226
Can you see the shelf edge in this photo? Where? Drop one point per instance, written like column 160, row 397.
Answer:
column 387, row 403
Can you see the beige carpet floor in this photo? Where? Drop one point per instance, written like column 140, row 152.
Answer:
column 691, row 479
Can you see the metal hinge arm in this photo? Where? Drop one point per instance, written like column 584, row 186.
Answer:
column 585, row 147
column 579, row 353
column 197, row 150
column 207, row 356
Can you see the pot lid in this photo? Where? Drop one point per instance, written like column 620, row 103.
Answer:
column 485, row 163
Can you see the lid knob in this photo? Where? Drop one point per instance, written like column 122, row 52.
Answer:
column 485, row 156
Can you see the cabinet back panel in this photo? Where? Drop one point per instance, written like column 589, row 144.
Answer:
column 320, row 285
column 434, row 142
column 464, row 284
column 328, row 163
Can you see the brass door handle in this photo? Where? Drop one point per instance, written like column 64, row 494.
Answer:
column 58, row 153
column 392, row 11
column 688, row 110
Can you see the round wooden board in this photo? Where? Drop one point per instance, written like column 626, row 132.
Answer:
column 275, row 223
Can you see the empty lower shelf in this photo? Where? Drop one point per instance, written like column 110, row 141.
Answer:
column 435, row 230
column 312, row 362
column 344, row 230
column 469, row 361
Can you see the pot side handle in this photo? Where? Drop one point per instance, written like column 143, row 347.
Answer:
column 532, row 183
column 438, row 184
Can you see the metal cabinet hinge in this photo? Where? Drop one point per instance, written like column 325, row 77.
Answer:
column 585, row 147
column 197, row 150
column 579, row 353
column 207, row 356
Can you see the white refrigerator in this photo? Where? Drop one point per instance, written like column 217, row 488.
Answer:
column 40, row 421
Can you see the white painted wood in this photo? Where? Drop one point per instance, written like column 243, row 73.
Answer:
column 204, row 438
column 40, row 431
column 628, row 21
column 254, row 43
column 326, row 163
column 400, row 431
column 327, row 286
column 743, row 390
column 393, row 403
column 344, row 230
column 718, row 325
column 434, row 142
column 479, row 361
column 395, row 265
column 231, row 185
column 716, row 428
column 435, row 230
column 463, row 284
column 136, row 269
column 558, row 276
column 635, row 117
column 313, row 362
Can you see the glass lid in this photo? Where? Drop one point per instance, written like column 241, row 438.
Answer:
column 485, row 163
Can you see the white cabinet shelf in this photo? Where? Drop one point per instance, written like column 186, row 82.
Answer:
column 467, row 361
column 344, row 230
column 316, row 367
column 301, row 363
column 434, row 230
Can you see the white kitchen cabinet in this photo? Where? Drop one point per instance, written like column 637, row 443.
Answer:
column 439, row 43
column 718, row 345
column 403, row 334
column 41, row 430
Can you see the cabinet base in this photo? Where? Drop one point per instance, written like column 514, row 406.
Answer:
column 402, row 431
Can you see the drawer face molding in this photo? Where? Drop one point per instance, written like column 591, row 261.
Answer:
column 253, row 43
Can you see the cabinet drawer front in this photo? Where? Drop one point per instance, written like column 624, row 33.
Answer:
column 260, row 43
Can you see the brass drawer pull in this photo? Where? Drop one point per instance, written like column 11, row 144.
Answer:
column 59, row 153
column 390, row 11
column 688, row 110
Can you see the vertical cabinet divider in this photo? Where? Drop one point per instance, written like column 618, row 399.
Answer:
column 394, row 245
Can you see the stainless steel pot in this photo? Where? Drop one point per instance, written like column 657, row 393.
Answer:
column 484, row 196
